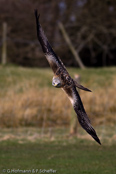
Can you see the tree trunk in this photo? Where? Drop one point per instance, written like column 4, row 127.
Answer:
column 4, row 49
column 68, row 41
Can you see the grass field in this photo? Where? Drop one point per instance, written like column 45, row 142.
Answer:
column 65, row 155
column 27, row 97
column 25, row 100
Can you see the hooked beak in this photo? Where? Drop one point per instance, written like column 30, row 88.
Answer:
column 54, row 84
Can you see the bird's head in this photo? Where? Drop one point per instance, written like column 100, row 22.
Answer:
column 56, row 82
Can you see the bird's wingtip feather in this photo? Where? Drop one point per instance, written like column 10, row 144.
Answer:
column 36, row 14
column 98, row 141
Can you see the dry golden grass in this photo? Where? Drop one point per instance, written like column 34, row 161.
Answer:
column 101, row 104
column 25, row 103
column 34, row 106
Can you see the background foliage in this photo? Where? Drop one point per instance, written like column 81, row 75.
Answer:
column 89, row 24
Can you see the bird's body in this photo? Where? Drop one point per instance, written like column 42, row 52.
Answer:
column 62, row 79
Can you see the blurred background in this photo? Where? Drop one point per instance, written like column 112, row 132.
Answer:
column 89, row 24
column 37, row 120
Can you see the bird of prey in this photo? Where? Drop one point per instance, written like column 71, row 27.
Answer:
column 62, row 79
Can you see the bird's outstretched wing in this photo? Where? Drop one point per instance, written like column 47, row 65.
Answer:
column 54, row 61
column 56, row 64
column 80, row 111
column 52, row 58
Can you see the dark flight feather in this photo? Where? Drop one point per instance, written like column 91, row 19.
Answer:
column 82, row 116
column 68, row 84
column 47, row 49
column 81, row 87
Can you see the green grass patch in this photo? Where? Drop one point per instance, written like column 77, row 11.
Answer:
column 26, row 149
column 70, row 157
column 11, row 75
column 95, row 77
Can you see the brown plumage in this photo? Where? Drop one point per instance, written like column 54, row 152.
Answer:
column 62, row 79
